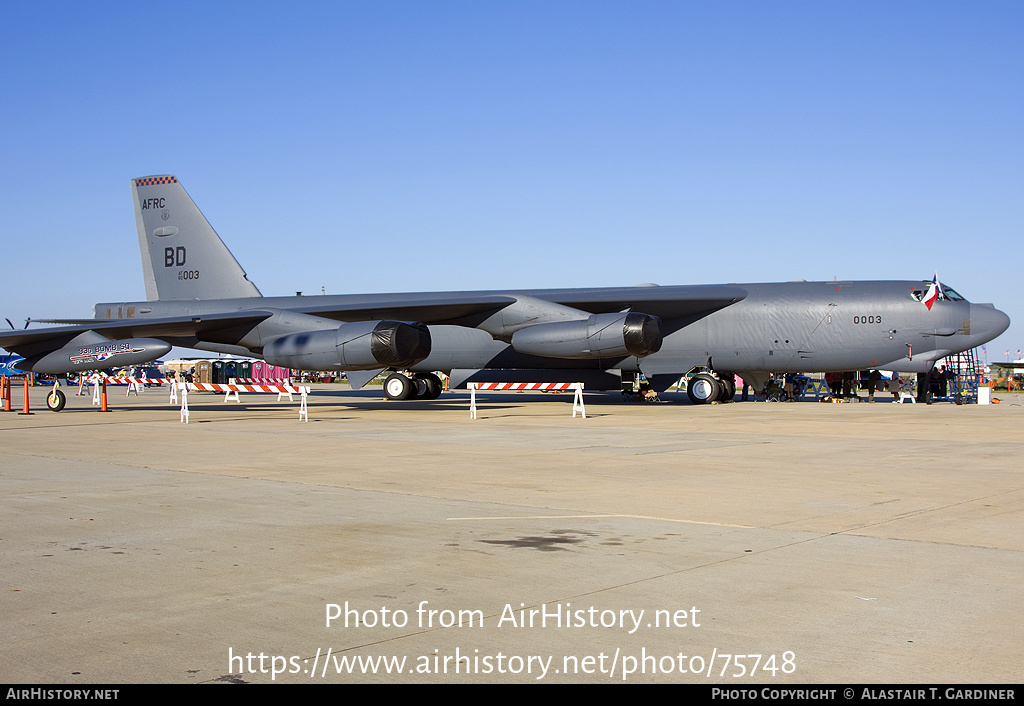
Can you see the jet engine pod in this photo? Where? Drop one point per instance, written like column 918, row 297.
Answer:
column 363, row 345
column 599, row 336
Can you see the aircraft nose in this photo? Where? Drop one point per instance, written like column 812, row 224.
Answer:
column 987, row 322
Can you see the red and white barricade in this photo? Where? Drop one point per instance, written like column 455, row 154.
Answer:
column 229, row 389
column 134, row 384
column 261, row 381
column 127, row 380
column 577, row 402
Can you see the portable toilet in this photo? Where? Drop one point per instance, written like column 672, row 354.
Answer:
column 204, row 372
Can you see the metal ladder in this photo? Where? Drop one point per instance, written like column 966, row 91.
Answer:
column 967, row 370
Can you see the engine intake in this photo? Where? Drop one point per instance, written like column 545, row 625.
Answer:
column 599, row 336
column 363, row 345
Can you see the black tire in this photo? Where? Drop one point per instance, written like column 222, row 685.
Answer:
column 703, row 389
column 399, row 387
column 432, row 385
column 56, row 400
column 728, row 387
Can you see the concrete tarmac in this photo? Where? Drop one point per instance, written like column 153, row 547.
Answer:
column 738, row 544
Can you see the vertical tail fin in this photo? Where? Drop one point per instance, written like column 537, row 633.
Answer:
column 182, row 255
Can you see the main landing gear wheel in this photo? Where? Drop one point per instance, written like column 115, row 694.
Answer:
column 399, row 387
column 728, row 387
column 432, row 386
column 56, row 400
column 703, row 388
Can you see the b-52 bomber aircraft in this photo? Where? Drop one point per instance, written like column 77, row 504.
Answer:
column 198, row 296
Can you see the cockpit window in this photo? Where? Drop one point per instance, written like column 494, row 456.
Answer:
column 945, row 293
column 950, row 294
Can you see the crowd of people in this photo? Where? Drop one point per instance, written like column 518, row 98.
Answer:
column 938, row 384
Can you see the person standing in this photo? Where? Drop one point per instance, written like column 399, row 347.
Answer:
column 874, row 383
column 895, row 387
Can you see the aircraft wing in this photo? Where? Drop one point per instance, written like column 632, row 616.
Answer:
column 673, row 302
column 31, row 341
column 469, row 309
column 458, row 310
column 465, row 309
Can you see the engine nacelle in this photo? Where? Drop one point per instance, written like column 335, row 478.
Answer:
column 599, row 336
column 362, row 345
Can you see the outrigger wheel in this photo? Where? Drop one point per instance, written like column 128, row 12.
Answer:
column 56, row 400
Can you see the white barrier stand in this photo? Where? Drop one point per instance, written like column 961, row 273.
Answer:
column 133, row 386
column 174, row 393
column 96, row 391
column 184, row 401
column 577, row 402
column 228, row 396
column 229, row 389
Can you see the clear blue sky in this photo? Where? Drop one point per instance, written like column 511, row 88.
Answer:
column 409, row 146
